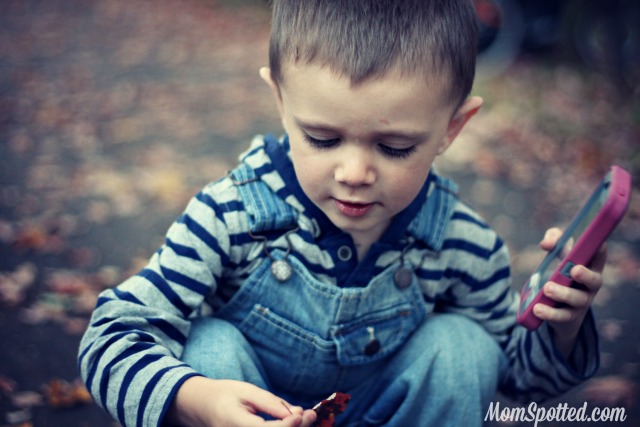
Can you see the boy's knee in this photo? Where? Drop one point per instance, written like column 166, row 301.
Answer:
column 461, row 332
column 466, row 351
column 217, row 349
column 211, row 333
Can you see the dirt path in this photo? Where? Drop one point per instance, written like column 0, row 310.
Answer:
column 113, row 113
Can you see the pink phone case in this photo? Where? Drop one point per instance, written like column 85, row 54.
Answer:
column 596, row 232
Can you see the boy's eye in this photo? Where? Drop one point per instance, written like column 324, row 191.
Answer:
column 391, row 152
column 320, row 143
column 399, row 153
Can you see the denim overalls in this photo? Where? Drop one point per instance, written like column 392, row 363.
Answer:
column 303, row 339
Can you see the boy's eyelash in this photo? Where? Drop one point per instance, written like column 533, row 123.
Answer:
column 320, row 143
column 398, row 153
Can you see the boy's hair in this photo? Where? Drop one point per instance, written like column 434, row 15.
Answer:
column 364, row 39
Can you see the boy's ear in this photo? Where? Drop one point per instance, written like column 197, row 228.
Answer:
column 265, row 74
column 467, row 110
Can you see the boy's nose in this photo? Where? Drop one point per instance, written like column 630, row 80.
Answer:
column 355, row 169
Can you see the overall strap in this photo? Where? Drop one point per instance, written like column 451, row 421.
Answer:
column 431, row 222
column 267, row 212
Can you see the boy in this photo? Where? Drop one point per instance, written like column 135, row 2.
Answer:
column 320, row 262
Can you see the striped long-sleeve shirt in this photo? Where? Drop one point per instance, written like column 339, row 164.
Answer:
column 130, row 354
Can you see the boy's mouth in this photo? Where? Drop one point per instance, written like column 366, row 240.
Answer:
column 353, row 209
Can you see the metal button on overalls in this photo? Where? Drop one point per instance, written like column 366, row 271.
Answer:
column 373, row 346
column 402, row 277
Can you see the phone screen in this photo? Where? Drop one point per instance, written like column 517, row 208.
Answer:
column 564, row 245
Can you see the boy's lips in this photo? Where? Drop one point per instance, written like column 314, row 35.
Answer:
column 353, row 209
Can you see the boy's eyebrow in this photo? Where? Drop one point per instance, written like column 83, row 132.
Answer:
column 410, row 136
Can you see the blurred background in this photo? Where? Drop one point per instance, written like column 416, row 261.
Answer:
column 113, row 113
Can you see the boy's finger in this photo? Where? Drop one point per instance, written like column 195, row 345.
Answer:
column 552, row 314
column 304, row 419
column 277, row 408
column 590, row 279
column 572, row 297
column 263, row 401
column 308, row 418
column 599, row 260
column 293, row 420
column 550, row 238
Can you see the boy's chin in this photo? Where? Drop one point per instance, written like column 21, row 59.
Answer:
column 361, row 226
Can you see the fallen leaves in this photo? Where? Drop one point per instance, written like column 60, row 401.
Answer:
column 56, row 394
column 63, row 394
column 127, row 121
column 7, row 385
column 612, row 391
column 69, row 298
column 26, row 399
column 611, row 329
column 15, row 284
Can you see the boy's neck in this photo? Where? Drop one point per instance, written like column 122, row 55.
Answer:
column 361, row 250
column 363, row 242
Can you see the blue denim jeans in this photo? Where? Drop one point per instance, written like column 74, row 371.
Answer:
column 304, row 339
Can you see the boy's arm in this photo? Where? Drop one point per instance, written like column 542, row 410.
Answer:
column 548, row 361
column 537, row 368
column 575, row 301
column 129, row 355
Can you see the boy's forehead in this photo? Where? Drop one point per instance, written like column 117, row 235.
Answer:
column 434, row 84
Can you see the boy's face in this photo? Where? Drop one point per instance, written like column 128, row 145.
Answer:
column 363, row 153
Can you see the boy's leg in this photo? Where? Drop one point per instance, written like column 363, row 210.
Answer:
column 445, row 375
column 217, row 349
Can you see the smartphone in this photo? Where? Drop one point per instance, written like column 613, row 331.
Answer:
column 579, row 242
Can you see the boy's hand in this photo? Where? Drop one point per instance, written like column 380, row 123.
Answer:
column 566, row 319
column 203, row 402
